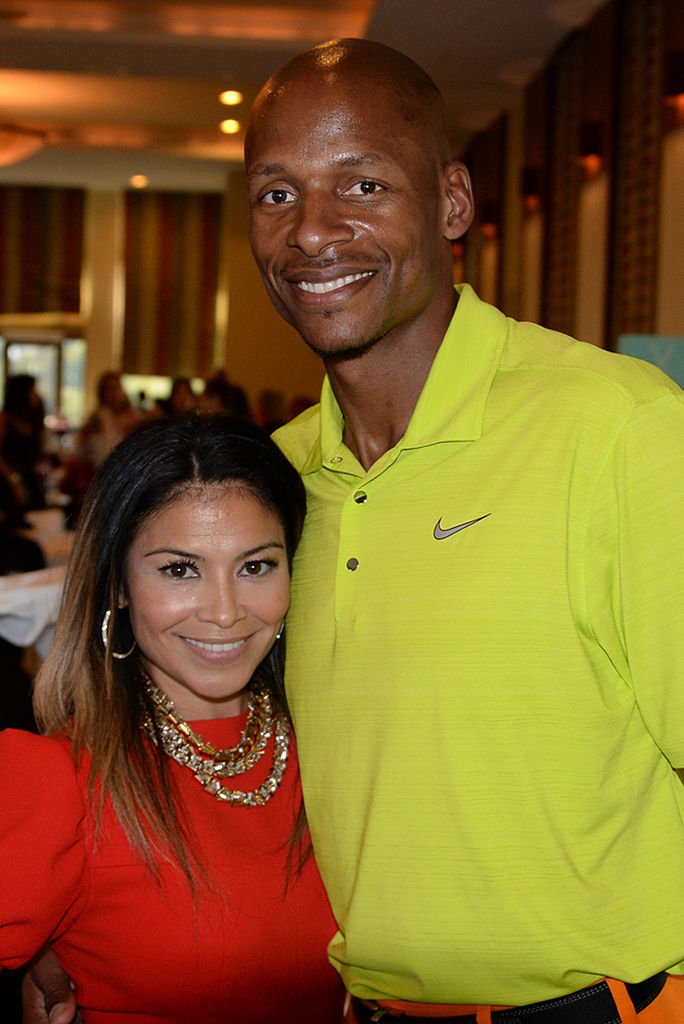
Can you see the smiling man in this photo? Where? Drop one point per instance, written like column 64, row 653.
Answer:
column 484, row 661
column 484, row 648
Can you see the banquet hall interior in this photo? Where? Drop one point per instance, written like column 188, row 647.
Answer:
column 124, row 257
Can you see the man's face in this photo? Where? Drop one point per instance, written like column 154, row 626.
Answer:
column 346, row 207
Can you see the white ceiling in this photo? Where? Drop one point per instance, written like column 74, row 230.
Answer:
column 117, row 87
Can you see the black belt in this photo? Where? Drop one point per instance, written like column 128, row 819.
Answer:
column 593, row 1005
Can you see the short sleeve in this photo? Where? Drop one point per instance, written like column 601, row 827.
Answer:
column 638, row 532
column 42, row 848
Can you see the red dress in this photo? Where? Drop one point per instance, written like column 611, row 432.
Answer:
column 252, row 952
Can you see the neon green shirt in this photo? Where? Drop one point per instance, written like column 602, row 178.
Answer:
column 485, row 664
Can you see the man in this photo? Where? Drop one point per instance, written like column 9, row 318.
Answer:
column 484, row 662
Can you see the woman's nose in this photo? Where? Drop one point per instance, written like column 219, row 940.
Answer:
column 221, row 603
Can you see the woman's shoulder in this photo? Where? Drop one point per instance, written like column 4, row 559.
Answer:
column 20, row 743
column 32, row 761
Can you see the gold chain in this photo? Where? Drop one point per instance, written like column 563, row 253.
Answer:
column 207, row 763
column 234, row 760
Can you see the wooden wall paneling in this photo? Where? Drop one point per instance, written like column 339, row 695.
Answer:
column 636, row 160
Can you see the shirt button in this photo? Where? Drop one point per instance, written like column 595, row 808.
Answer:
column 352, row 564
column 336, row 460
column 360, row 497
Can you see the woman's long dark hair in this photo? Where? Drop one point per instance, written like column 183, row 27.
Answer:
column 81, row 691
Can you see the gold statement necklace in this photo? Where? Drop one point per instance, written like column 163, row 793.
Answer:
column 210, row 765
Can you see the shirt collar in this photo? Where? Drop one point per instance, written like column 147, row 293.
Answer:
column 452, row 404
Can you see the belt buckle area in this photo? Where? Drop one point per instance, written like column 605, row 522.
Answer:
column 379, row 1013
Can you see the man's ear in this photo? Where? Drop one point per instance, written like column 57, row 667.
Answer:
column 459, row 207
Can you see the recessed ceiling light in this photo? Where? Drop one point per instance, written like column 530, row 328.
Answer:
column 231, row 97
column 138, row 181
column 230, row 126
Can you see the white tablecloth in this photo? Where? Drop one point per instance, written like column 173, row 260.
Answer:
column 29, row 602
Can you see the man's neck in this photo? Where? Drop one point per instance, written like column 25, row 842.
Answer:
column 377, row 396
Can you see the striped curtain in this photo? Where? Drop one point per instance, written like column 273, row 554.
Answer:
column 41, row 249
column 172, row 267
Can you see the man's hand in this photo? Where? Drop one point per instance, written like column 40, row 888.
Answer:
column 47, row 992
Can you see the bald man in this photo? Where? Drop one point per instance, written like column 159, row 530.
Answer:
column 484, row 650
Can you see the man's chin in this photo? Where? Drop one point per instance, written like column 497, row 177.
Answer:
column 337, row 350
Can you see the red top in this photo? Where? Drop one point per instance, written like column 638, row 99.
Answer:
column 253, row 951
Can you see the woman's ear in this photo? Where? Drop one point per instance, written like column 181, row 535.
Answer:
column 459, row 205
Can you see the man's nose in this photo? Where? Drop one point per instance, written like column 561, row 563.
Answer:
column 319, row 222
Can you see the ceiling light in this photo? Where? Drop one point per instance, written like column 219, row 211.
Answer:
column 138, row 181
column 231, row 97
column 18, row 144
column 230, row 126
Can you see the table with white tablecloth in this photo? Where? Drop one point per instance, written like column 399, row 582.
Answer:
column 29, row 603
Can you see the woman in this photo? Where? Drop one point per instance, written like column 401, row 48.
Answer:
column 152, row 835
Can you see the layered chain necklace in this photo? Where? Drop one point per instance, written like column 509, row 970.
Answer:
column 210, row 765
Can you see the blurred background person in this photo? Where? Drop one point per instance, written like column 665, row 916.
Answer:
column 22, row 440
column 182, row 399
column 270, row 409
column 113, row 419
column 221, row 395
column 298, row 404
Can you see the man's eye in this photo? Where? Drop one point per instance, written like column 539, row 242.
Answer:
column 365, row 188
column 277, row 197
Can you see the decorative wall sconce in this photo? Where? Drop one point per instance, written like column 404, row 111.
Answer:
column 530, row 189
column 591, row 149
column 489, row 219
column 673, row 82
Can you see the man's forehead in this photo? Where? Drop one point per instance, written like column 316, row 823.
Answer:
column 336, row 160
column 352, row 123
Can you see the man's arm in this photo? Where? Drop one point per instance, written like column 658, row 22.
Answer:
column 47, row 992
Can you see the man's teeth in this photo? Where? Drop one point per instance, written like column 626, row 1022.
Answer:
column 321, row 287
column 215, row 648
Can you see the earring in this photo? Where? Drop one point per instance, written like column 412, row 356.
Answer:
column 281, row 630
column 104, row 633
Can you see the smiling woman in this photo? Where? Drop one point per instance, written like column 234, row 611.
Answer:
column 169, row 757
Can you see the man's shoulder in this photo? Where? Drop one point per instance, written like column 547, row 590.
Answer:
column 584, row 365
column 561, row 363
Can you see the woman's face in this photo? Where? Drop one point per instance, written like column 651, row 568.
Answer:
column 207, row 588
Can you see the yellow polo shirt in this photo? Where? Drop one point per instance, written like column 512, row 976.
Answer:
column 486, row 672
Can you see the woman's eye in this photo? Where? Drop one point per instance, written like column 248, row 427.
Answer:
column 179, row 570
column 257, row 568
column 277, row 197
column 365, row 188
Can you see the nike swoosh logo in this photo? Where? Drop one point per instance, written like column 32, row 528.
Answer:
column 440, row 533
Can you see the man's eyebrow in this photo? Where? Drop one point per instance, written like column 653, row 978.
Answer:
column 342, row 160
column 357, row 159
column 266, row 170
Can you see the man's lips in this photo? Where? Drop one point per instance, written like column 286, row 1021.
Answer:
column 325, row 287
